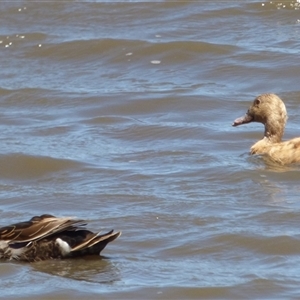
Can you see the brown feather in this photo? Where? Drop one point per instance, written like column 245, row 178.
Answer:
column 37, row 227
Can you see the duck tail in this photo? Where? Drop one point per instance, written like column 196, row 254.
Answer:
column 95, row 243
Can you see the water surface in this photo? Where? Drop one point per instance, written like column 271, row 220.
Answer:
column 120, row 113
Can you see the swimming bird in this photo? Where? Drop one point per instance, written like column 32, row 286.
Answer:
column 48, row 237
column 270, row 110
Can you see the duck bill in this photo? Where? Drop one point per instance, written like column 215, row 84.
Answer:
column 242, row 120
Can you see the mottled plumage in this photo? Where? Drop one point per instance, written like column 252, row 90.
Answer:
column 270, row 110
column 48, row 237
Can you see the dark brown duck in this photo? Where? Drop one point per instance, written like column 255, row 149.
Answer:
column 48, row 237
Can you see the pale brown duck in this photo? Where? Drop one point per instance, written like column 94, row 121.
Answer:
column 47, row 237
column 270, row 110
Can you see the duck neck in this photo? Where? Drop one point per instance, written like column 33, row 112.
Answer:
column 274, row 133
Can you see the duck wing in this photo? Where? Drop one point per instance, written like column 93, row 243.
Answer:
column 37, row 228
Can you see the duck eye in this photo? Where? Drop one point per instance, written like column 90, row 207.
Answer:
column 256, row 102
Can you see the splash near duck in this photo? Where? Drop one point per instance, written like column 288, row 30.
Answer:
column 270, row 110
column 48, row 237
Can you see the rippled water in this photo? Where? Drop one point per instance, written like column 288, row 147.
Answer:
column 120, row 113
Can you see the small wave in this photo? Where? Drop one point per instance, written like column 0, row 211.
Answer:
column 117, row 49
column 20, row 166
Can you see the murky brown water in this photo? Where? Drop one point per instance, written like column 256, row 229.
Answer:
column 120, row 113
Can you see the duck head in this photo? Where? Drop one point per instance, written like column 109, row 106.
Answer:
column 269, row 110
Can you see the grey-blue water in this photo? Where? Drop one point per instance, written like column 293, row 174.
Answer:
column 120, row 113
